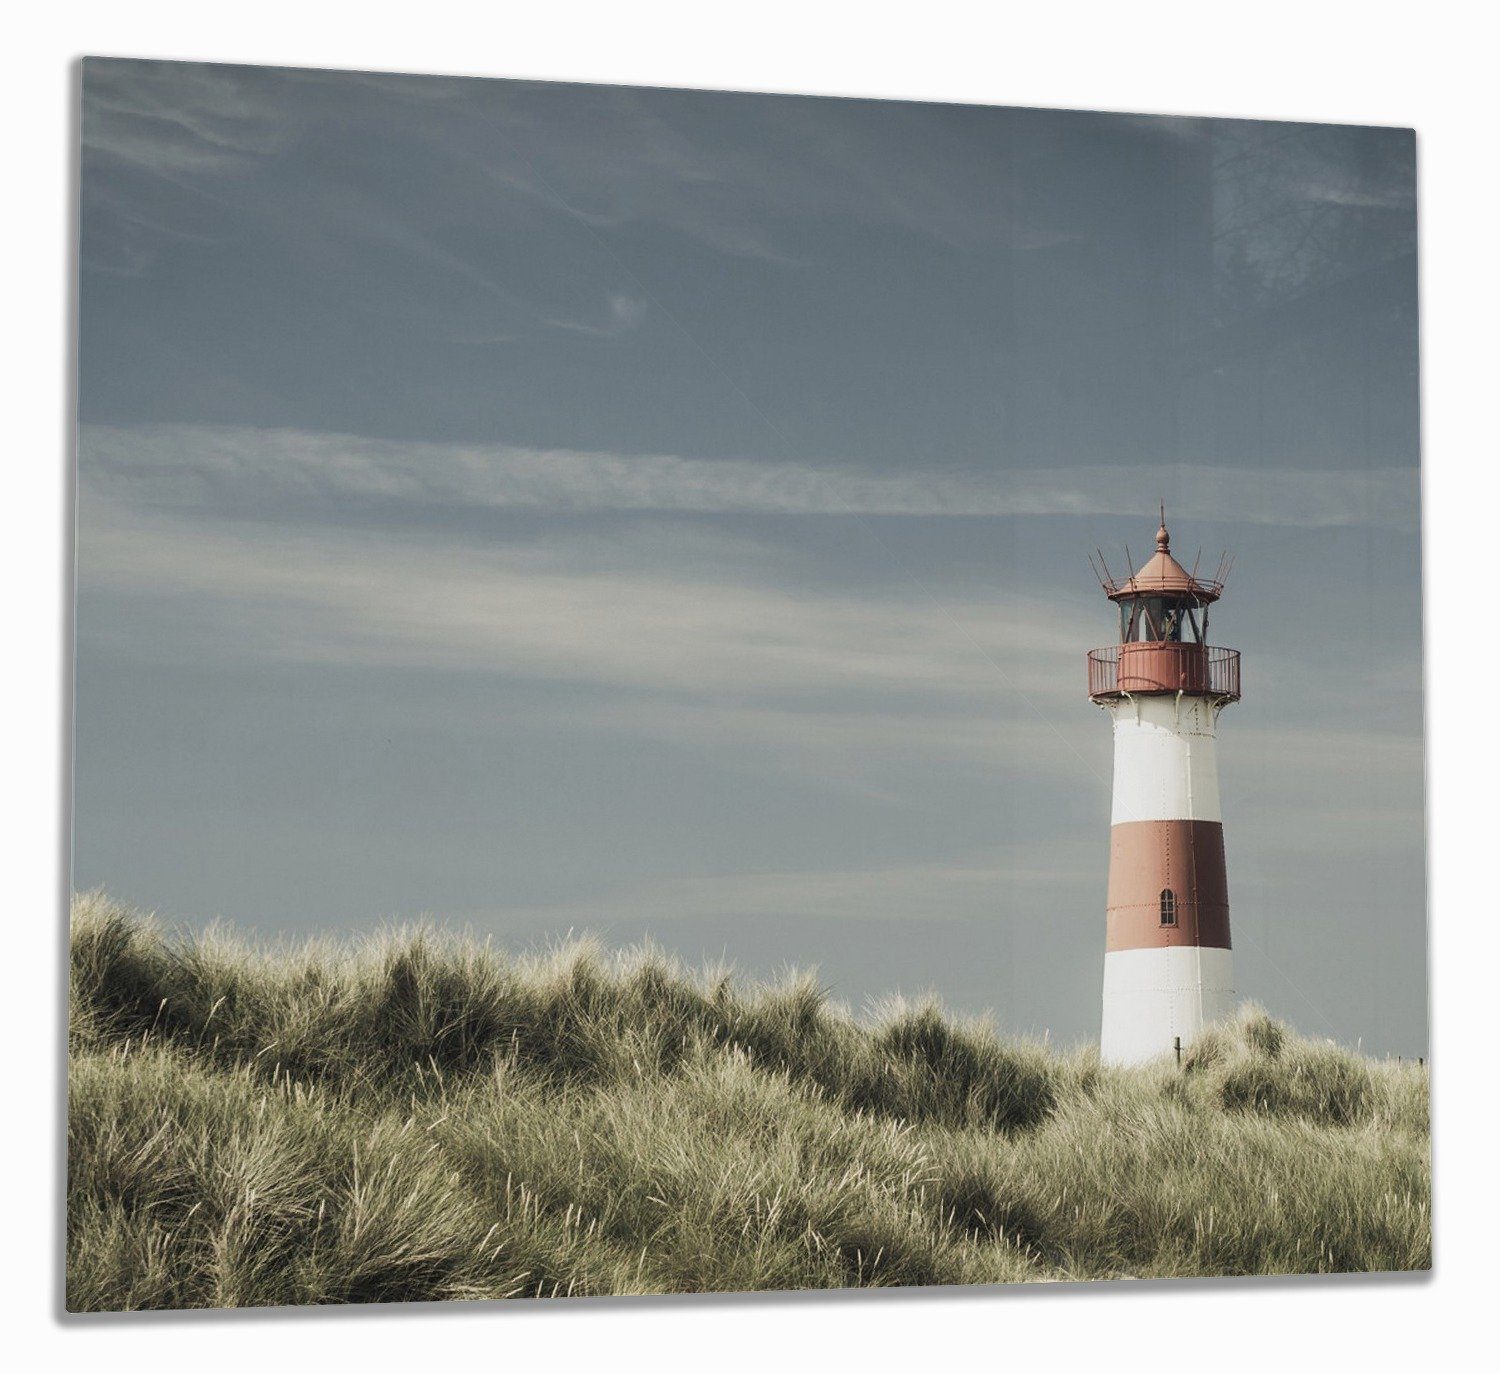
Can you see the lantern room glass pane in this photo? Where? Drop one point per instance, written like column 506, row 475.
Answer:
column 1163, row 619
column 1153, row 615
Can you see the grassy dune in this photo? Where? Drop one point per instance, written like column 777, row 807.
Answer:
column 418, row 1118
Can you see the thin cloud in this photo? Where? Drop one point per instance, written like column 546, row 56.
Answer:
column 623, row 313
column 327, row 596
column 979, row 886
column 606, row 157
column 206, row 467
column 176, row 118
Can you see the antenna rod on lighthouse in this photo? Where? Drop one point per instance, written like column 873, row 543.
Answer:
column 1101, row 570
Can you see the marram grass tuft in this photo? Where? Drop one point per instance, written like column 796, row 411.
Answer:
column 418, row 1118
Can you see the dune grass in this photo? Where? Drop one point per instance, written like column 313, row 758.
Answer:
column 419, row 1118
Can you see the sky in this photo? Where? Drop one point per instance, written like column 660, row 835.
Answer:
column 551, row 508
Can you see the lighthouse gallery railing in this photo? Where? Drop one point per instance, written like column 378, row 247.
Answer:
column 1164, row 667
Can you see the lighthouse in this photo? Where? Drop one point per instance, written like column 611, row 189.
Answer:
column 1167, row 965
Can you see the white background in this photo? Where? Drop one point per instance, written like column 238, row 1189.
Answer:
column 1429, row 66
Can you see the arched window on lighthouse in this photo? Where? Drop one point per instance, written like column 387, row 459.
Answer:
column 1168, row 907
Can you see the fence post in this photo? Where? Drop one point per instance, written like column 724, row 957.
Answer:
column 1177, row 1049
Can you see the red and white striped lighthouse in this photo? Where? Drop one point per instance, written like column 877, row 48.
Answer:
column 1167, row 969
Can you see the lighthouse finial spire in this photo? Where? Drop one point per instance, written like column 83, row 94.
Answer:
column 1163, row 540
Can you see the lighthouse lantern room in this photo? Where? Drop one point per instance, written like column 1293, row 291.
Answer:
column 1167, row 964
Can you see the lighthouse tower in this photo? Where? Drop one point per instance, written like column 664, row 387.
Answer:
column 1167, row 966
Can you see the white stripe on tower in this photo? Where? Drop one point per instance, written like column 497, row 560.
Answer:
column 1166, row 760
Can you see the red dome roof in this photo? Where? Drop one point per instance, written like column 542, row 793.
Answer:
column 1163, row 575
